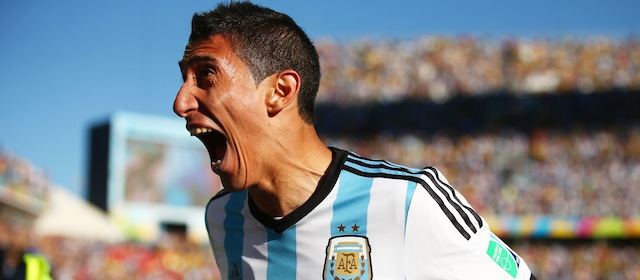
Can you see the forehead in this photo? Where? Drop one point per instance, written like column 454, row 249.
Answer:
column 216, row 48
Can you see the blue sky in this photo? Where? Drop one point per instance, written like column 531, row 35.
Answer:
column 65, row 65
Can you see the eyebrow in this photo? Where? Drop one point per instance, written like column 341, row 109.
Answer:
column 196, row 59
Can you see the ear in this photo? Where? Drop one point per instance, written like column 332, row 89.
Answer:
column 287, row 86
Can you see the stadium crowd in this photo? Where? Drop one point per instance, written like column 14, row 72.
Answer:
column 167, row 259
column 567, row 260
column 577, row 172
column 589, row 173
column 20, row 175
column 438, row 67
column 173, row 257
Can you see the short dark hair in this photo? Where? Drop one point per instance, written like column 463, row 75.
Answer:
column 268, row 42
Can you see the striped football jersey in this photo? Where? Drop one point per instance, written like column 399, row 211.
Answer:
column 368, row 219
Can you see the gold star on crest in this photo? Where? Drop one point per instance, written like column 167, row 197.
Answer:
column 341, row 228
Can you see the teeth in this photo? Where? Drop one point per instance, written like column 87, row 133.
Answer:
column 216, row 164
column 199, row 130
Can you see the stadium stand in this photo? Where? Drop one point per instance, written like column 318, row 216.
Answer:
column 548, row 128
column 439, row 68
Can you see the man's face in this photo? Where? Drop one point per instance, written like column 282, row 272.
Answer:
column 223, row 107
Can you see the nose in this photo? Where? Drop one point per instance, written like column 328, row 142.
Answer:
column 185, row 101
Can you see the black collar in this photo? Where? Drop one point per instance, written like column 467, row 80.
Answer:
column 325, row 185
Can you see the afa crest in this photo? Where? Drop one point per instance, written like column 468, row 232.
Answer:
column 348, row 258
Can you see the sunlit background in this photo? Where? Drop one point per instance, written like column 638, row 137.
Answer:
column 529, row 109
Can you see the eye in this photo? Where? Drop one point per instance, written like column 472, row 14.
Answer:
column 205, row 77
column 206, row 72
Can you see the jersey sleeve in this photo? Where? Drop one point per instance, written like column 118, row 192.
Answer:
column 446, row 239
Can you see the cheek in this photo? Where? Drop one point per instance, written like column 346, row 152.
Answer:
column 247, row 105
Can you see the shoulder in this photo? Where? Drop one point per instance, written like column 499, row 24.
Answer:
column 225, row 204
column 435, row 200
column 225, row 201
column 428, row 178
column 218, row 197
column 220, row 194
column 368, row 167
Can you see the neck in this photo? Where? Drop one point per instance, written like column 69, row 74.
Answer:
column 293, row 177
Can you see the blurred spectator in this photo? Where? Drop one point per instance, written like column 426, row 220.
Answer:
column 173, row 258
column 170, row 258
column 582, row 260
column 563, row 173
column 546, row 172
column 438, row 68
column 18, row 260
column 20, row 175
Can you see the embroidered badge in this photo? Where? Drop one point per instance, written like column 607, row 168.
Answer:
column 348, row 258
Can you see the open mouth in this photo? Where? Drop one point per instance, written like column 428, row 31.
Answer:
column 215, row 143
